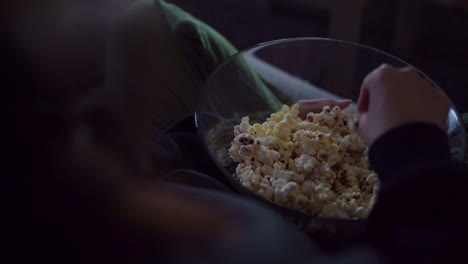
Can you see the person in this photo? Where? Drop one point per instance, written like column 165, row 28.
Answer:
column 78, row 187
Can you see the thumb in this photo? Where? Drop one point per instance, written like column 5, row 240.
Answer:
column 362, row 126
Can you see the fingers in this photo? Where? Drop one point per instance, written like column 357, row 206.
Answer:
column 341, row 104
column 376, row 76
column 410, row 70
column 364, row 96
column 316, row 105
column 393, row 96
column 362, row 124
column 363, row 101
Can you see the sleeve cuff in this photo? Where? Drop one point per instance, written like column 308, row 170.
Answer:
column 407, row 148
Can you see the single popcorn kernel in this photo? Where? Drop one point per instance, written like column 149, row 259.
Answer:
column 318, row 166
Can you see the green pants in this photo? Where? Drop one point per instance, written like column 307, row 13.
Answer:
column 159, row 58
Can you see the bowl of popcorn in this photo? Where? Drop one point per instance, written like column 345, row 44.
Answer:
column 276, row 120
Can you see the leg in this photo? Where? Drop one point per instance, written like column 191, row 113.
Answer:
column 146, row 69
column 159, row 57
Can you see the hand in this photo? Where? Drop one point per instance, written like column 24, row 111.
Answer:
column 316, row 105
column 391, row 97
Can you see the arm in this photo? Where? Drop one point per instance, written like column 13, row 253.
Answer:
column 420, row 215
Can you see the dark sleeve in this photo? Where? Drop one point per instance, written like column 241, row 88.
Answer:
column 421, row 214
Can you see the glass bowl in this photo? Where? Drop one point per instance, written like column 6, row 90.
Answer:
column 258, row 81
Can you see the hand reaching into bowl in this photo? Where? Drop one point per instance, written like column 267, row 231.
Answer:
column 391, row 97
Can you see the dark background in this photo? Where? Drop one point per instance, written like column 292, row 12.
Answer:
column 429, row 34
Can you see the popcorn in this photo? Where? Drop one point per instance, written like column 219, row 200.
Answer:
column 318, row 165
